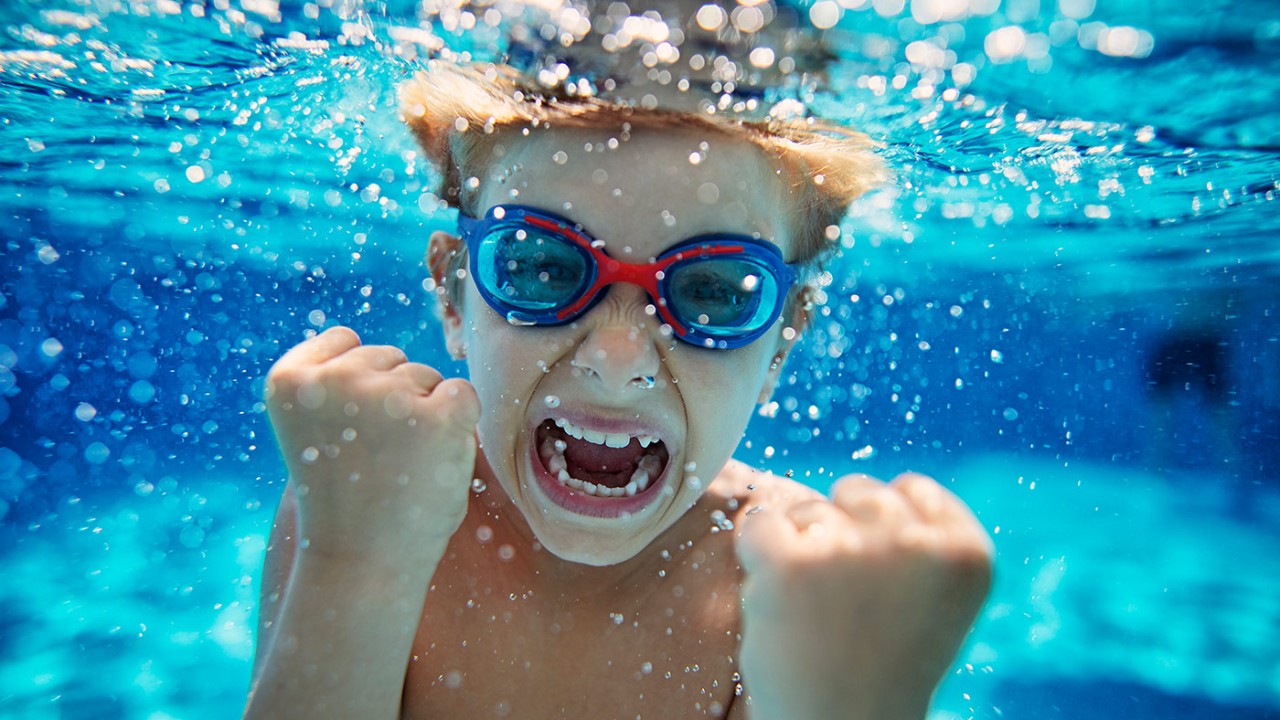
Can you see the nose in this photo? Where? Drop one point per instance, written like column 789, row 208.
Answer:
column 619, row 349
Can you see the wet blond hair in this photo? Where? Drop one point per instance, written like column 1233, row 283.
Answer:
column 457, row 112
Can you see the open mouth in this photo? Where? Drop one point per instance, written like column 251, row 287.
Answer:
column 599, row 464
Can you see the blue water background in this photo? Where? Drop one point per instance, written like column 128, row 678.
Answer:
column 988, row 325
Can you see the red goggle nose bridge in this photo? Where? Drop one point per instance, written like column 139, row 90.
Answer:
column 610, row 270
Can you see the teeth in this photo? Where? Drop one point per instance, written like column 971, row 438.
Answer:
column 613, row 440
column 650, row 465
column 639, row 478
column 639, row 481
column 569, row 428
column 552, row 453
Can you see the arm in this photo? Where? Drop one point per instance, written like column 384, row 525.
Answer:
column 380, row 453
column 277, row 567
column 334, row 635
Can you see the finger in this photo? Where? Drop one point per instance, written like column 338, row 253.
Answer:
column 462, row 406
column 325, row 346
column 821, row 527
column 871, row 502
column 424, row 376
column 377, row 357
column 929, row 499
column 934, row 502
column 814, row 516
column 942, row 508
column 764, row 540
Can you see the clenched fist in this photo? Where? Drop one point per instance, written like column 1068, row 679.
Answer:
column 380, row 450
column 855, row 608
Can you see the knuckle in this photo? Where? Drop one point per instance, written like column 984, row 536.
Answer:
column 386, row 352
column 343, row 332
column 854, row 490
column 871, row 504
column 459, row 396
column 285, row 375
column 910, row 482
column 855, row 482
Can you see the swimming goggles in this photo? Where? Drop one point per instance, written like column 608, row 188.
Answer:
column 536, row 268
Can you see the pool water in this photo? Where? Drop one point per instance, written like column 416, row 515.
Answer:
column 189, row 188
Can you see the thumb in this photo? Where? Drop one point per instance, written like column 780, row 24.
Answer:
column 459, row 403
column 763, row 540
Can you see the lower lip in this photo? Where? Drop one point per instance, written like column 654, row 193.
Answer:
column 578, row 502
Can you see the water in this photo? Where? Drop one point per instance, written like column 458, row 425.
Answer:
column 189, row 188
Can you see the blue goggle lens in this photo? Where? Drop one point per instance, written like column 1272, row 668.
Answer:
column 722, row 297
column 531, row 270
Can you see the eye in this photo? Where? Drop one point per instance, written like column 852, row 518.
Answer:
column 722, row 293
column 530, row 269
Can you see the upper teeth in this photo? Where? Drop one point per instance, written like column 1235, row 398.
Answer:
column 647, row 467
column 613, row 440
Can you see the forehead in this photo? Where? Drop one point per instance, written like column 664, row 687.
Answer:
column 648, row 186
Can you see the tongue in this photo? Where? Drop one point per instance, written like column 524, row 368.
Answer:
column 600, row 464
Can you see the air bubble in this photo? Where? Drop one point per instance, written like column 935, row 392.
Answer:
column 85, row 412
column 720, row 522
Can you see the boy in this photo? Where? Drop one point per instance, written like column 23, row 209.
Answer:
column 609, row 560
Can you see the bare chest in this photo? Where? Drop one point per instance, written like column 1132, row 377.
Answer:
column 667, row 653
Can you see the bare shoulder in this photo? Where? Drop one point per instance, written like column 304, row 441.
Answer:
column 740, row 489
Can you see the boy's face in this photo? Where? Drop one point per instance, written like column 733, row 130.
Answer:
column 540, row 385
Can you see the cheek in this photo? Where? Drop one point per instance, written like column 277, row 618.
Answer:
column 488, row 356
column 721, row 396
column 506, row 362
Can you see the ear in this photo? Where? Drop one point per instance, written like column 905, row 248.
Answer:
column 798, row 314
column 442, row 253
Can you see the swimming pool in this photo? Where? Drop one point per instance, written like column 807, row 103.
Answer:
column 188, row 187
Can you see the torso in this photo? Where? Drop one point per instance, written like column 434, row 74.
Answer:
column 508, row 630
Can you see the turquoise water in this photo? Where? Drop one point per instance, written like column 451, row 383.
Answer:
column 188, row 188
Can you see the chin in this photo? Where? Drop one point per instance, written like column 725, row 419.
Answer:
column 575, row 547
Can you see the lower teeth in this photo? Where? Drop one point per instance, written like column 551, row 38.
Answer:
column 552, row 452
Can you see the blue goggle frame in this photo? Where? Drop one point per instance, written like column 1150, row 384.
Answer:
column 534, row 267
